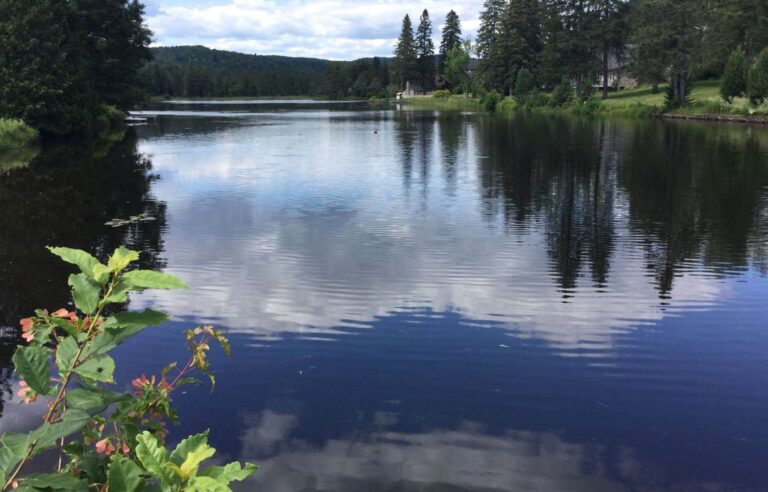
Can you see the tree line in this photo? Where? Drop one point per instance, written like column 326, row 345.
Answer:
column 542, row 44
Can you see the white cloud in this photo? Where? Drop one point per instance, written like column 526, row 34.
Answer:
column 467, row 458
column 335, row 29
column 282, row 252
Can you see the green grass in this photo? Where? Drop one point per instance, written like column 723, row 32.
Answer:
column 443, row 103
column 15, row 134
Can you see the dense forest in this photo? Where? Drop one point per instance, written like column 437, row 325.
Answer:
column 196, row 71
column 68, row 66
column 71, row 66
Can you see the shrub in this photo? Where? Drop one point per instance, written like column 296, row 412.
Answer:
column 562, row 93
column 669, row 97
column 525, row 82
column 535, row 99
column 15, row 134
column 441, row 94
column 735, row 76
column 507, row 104
column 584, row 90
column 491, row 100
column 107, row 440
column 757, row 85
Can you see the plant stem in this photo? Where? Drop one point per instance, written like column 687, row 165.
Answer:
column 63, row 389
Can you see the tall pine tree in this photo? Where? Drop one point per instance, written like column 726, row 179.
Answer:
column 451, row 33
column 490, row 26
column 405, row 66
column 425, row 51
column 669, row 38
column 610, row 30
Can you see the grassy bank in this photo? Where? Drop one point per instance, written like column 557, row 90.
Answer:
column 443, row 103
column 14, row 135
column 642, row 101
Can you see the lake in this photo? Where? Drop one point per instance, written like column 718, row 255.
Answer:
column 426, row 301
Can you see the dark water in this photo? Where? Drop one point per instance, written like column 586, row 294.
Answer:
column 441, row 302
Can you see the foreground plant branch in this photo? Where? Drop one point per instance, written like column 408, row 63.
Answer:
column 106, row 440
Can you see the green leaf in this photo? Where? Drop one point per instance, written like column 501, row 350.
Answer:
column 65, row 354
column 55, row 481
column 130, row 319
column 124, row 476
column 32, row 365
column 194, row 458
column 100, row 274
column 187, row 446
column 64, row 325
column 85, row 292
column 206, row 484
column 48, row 435
column 100, row 368
column 119, row 294
column 82, row 259
column 147, row 279
column 230, row 473
column 8, row 460
column 122, row 326
column 153, row 456
column 121, row 258
column 16, row 443
column 91, row 400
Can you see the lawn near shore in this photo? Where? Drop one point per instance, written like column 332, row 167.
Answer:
column 640, row 101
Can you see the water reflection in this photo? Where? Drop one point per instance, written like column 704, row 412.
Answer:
column 439, row 301
column 64, row 197
column 551, row 239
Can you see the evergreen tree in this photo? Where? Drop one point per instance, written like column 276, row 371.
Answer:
column 456, row 64
column 405, row 65
column 490, row 26
column 451, row 33
column 525, row 82
column 115, row 44
column 41, row 75
column 568, row 41
column 669, row 39
column 610, row 29
column 735, row 76
column 757, row 85
column 425, row 51
column 516, row 44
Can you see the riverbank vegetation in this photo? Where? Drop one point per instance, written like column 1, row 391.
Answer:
column 68, row 66
column 15, row 134
column 105, row 439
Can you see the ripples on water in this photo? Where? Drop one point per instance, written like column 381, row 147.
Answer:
column 425, row 301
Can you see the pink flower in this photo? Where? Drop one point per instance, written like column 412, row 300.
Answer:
column 28, row 336
column 140, row 382
column 24, row 391
column 105, row 447
column 26, row 324
column 61, row 313
column 126, row 449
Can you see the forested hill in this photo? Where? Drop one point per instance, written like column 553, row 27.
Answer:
column 197, row 71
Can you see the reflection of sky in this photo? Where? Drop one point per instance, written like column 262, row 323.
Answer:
column 392, row 334
column 305, row 225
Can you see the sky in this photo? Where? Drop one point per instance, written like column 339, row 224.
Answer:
column 332, row 29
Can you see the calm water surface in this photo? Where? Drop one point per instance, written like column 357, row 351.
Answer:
column 433, row 301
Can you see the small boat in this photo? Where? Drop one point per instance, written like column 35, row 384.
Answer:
column 135, row 120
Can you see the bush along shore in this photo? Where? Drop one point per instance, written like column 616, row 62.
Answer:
column 646, row 101
column 16, row 135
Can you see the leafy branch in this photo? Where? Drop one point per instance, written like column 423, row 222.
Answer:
column 119, row 443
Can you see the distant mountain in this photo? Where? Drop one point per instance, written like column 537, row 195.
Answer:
column 230, row 61
column 197, row 71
